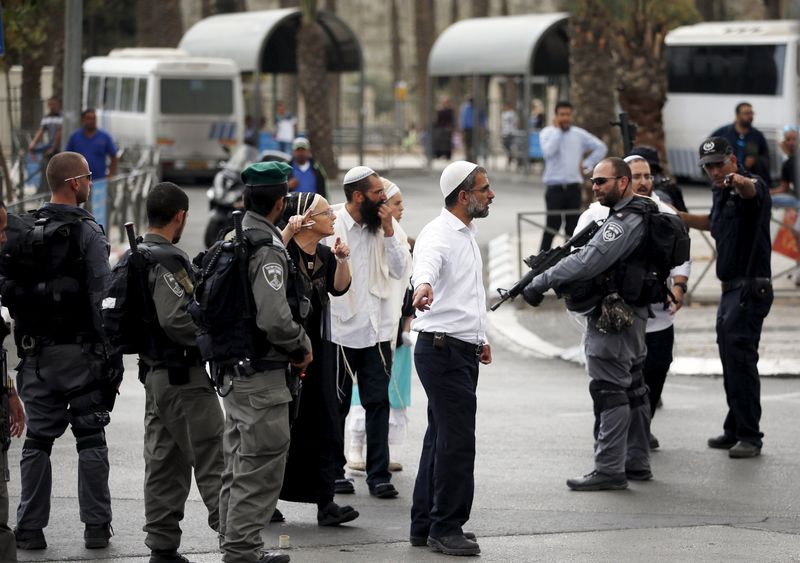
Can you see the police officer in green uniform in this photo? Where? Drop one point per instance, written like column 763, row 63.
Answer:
column 183, row 419
column 614, row 354
column 257, row 407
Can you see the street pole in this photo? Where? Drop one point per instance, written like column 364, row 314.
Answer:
column 73, row 40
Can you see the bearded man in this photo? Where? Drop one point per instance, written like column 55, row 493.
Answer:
column 363, row 323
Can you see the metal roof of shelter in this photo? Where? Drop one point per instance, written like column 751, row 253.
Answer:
column 266, row 40
column 533, row 44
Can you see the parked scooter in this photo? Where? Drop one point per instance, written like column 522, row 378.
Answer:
column 225, row 195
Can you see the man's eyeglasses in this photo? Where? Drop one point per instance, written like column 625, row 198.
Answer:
column 89, row 175
column 600, row 180
column 328, row 213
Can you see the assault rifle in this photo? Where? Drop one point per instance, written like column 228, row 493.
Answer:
column 139, row 264
column 545, row 260
column 5, row 412
column 627, row 129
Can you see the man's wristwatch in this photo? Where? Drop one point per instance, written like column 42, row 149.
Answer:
column 682, row 285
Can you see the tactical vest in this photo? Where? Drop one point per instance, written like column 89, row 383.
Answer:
column 43, row 274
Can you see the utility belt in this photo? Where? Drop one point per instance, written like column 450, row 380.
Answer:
column 248, row 368
column 177, row 366
column 441, row 339
column 758, row 284
column 564, row 186
column 28, row 345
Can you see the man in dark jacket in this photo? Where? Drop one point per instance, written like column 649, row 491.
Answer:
column 307, row 174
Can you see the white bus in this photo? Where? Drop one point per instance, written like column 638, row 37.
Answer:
column 190, row 107
column 713, row 66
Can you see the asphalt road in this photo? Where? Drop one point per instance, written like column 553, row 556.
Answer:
column 534, row 431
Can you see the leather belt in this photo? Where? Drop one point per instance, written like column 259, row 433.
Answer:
column 736, row 283
column 446, row 339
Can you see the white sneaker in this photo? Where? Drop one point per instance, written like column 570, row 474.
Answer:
column 355, row 460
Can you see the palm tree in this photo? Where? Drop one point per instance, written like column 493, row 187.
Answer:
column 639, row 53
column 313, row 82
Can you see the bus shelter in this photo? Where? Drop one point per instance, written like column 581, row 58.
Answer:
column 266, row 42
column 530, row 46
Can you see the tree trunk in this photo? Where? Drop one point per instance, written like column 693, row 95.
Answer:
column 312, row 79
column 480, row 8
column 56, row 56
column 772, row 9
column 424, row 33
column 710, row 10
column 158, row 23
column 334, row 83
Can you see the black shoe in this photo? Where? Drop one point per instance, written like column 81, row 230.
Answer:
column 383, row 490
column 277, row 516
column 639, row 474
column 169, row 556
column 454, row 545
column 421, row 541
column 344, row 487
column 744, row 449
column 333, row 514
column 267, row 557
column 654, row 443
column 96, row 537
column 721, row 442
column 30, row 539
column 596, row 481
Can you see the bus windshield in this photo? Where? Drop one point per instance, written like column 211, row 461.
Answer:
column 726, row 69
column 191, row 96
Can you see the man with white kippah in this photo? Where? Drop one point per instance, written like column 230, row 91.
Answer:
column 451, row 320
column 363, row 322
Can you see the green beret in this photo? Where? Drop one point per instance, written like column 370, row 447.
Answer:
column 266, row 174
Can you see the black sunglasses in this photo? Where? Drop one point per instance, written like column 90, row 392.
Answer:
column 600, row 180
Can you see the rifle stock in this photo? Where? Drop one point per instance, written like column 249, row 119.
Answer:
column 546, row 260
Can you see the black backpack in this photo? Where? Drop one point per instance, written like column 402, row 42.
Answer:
column 42, row 273
column 223, row 306
column 643, row 278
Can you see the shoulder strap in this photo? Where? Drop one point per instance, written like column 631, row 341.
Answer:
column 163, row 255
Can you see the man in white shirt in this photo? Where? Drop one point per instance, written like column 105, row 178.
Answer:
column 451, row 321
column 569, row 153
column 660, row 336
column 363, row 324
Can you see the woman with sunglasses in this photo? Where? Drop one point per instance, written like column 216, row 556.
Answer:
column 309, row 476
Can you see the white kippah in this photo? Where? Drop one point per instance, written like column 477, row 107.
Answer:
column 389, row 188
column 633, row 157
column 357, row 173
column 455, row 173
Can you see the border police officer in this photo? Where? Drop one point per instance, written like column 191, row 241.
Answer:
column 183, row 418
column 739, row 223
column 614, row 354
column 257, row 408
column 60, row 339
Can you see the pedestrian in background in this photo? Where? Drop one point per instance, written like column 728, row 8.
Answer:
column 95, row 145
column 739, row 223
column 183, row 420
column 285, row 125
column 307, row 175
column 748, row 143
column 451, row 320
column 569, row 152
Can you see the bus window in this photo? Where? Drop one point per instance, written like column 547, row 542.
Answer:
column 126, row 92
column 141, row 94
column 110, row 93
column 93, row 92
column 185, row 96
column 726, row 69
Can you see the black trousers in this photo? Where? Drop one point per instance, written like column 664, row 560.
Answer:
column 373, row 368
column 739, row 322
column 445, row 482
column 656, row 365
column 561, row 196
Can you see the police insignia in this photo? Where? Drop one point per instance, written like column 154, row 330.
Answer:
column 173, row 285
column 273, row 273
column 612, row 232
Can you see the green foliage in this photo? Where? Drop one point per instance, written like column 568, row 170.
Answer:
column 26, row 23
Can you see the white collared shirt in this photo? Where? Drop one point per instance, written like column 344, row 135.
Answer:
column 446, row 256
column 373, row 320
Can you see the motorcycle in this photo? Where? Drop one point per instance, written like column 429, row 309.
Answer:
column 225, row 194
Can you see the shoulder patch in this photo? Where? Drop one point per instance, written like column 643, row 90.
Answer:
column 612, row 232
column 173, row 284
column 273, row 273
